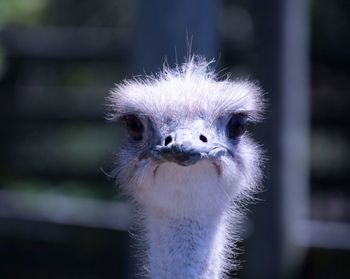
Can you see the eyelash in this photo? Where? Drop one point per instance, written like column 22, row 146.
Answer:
column 134, row 126
column 236, row 126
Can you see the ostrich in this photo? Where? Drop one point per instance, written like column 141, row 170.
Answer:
column 189, row 165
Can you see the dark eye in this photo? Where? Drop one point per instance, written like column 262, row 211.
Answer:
column 237, row 125
column 134, row 126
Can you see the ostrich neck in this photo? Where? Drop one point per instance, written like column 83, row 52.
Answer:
column 186, row 248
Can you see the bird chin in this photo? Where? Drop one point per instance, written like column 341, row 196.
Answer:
column 189, row 167
column 176, row 190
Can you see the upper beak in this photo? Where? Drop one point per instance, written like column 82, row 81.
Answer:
column 186, row 147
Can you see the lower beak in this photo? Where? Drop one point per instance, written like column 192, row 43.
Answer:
column 180, row 155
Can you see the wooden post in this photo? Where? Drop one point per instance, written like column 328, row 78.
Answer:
column 282, row 67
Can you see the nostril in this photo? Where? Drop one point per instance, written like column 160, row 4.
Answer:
column 168, row 140
column 203, row 138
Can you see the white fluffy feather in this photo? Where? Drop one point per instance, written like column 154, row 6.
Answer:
column 188, row 211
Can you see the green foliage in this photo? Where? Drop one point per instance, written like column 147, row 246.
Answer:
column 27, row 12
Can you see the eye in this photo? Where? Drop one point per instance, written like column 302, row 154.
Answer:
column 237, row 125
column 134, row 126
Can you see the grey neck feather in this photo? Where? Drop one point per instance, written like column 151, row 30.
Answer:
column 185, row 248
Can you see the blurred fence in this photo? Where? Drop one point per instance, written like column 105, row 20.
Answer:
column 56, row 148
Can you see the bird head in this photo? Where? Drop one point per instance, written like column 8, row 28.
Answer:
column 187, row 140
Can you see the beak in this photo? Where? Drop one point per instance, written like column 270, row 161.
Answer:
column 183, row 155
column 186, row 147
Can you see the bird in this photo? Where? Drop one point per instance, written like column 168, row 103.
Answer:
column 189, row 164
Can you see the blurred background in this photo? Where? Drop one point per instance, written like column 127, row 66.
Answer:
column 60, row 214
